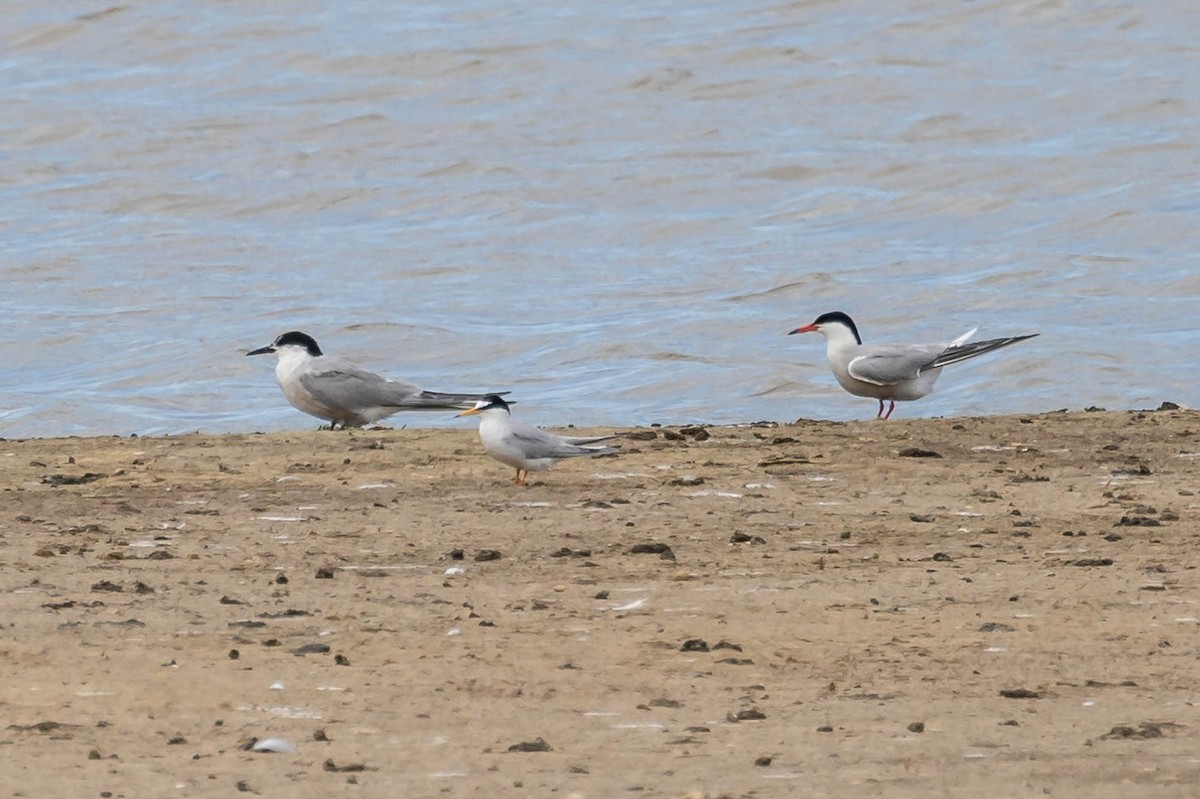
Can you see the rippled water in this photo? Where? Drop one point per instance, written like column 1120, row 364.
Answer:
column 616, row 210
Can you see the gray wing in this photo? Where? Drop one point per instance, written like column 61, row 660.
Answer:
column 535, row 443
column 963, row 352
column 345, row 385
column 887, row 365
column 586, row 439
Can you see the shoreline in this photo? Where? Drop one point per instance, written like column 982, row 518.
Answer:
column 902, row 607
column 411, row 422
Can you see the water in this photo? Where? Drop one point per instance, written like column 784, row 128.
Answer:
column 616, row 210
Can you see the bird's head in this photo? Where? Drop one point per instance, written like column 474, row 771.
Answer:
column 292, row 341
column 834, row 324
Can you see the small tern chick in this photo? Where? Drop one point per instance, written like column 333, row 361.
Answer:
column 893, row 372
column 341, row 392
column 522, row 446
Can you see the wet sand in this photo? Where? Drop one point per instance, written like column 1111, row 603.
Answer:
column 949, row 607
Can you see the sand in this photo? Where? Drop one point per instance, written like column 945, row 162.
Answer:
column 995, row 606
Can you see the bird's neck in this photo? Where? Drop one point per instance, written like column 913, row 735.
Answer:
column 838, row 340
column 291, row 363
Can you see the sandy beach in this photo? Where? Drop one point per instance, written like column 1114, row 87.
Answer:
column 1002, row 606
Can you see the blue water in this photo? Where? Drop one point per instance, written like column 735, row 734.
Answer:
column 617, row 211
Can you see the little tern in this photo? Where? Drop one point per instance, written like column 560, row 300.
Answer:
column 341, row 392
column 524, row 447
column 891, row 371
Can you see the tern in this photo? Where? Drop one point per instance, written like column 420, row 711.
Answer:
column 524, row 447
column 341, row 392
column 891, row 371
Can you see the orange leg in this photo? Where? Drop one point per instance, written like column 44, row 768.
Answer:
column 522, row 475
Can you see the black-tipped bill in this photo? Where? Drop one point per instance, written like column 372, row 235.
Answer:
column 488, row 401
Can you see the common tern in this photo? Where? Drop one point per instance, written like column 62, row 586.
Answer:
column 341, row 392
column 891, row 371
column 522, row 446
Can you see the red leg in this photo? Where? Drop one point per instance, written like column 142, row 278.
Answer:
column 880, row 414
column 891, row 407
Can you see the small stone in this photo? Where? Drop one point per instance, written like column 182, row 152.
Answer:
column 917, row 452
column 277, row 745
column 654, row 548
column 750, row 714
column 995, row 627
column 917, row 726
column 1092, row 562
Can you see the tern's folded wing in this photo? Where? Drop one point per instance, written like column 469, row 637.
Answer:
column 351, row 387
column 964, row 352
column 535, row 443
column 889, row 365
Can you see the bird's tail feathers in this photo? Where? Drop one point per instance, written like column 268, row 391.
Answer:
column 958, row 342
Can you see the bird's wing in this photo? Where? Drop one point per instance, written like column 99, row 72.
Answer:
column 580, row 440
column 962, row 352
column 438, row 400
column 342, row 384
column 535, row 443
column 887, row 365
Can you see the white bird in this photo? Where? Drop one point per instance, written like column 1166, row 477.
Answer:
column 341, row 392
column 891, row 371
column 524, row 447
